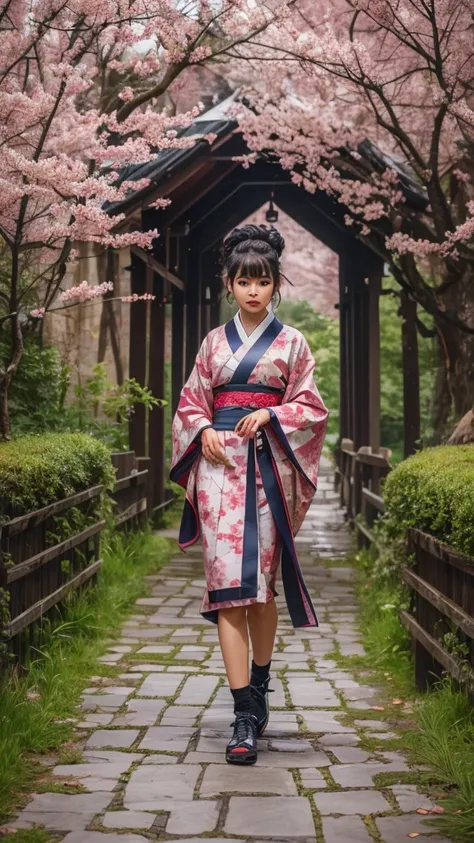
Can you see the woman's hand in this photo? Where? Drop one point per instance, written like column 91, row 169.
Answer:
column 249, row 425
column 211, row 448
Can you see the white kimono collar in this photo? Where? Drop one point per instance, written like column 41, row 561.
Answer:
column 250, row 339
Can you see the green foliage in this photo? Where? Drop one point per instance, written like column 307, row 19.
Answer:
column 38, row 390
column 103, row 408
column 444, row 742
column 36, row 709
column 38, row 470
column 37, row 399
column 322, row 334
column 434, row 491
column 391, row 376
column 382, row 595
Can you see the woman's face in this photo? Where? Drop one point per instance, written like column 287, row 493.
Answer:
column 253, row 295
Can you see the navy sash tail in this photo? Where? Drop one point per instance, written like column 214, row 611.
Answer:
column 299, row 603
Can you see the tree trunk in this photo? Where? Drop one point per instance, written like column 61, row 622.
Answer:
column 7, row 373
column 454, row 390
column 5, row 425
column 464, row 432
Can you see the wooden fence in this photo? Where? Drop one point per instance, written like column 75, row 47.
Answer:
column 441, row 617
column 41, row 563
column 359, row 475
column 441, row 582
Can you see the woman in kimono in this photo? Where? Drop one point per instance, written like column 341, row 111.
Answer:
column 247, row 438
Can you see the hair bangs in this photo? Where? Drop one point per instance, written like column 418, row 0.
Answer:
column 251, row 265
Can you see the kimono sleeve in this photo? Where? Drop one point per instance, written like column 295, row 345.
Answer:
column 299, row 423
column 193, row 415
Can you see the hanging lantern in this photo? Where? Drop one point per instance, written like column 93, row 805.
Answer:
column 272, row 213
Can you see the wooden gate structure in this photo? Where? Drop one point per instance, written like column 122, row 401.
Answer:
column 210, row 193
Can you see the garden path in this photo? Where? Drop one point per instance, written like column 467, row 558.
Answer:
column 154, row 736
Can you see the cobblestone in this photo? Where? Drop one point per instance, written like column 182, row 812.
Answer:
column 310, row 765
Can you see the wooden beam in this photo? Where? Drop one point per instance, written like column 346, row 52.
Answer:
column 132, row 511
column 434, row 547
column 439, row 601
column 190, row 194
column 158, row 267
column 435, row 650
column 156, row 383
column 375, row 500
column 411, row 375
column 33, row 519
column 22, row 569
column 36, row 611
column 138, row 351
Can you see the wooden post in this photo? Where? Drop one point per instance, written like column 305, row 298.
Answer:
column 193, row 303
column 211, row 278
column 177, row 346
column 156, row 383
column 375, row 285
column 411, row 375
column 138, row 353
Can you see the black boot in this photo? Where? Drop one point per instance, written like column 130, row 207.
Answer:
column 261, row 705
column 242, row 747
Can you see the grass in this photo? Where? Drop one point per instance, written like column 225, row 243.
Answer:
column 441, row 733
column 37, row 711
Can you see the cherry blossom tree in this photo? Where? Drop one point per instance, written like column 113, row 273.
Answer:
column 81, row 87
column 393, row 79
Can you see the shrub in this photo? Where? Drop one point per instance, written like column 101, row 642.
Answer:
column 38, row 470
column 38, row 391
column 434, row 491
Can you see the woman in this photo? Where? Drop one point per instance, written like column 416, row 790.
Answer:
column 247, row 437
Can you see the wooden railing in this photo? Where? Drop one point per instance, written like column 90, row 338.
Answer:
column 441, row 581
column 39, row 572
column 131, row 493
column 360, row 474
column 41, row 564
column 442, row 589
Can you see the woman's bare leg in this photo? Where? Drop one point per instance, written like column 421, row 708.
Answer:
column 263, row 622
column 234, row 641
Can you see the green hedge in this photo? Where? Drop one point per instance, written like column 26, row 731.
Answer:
column 434, row 491
column 38, row 470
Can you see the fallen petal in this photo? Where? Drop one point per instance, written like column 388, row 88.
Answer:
column 377, row 708
column 422, row 811
column 437, row 810
column 413, row 834
column 397, row 702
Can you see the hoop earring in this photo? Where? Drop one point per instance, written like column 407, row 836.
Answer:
column 230, row 297
column 276, row 300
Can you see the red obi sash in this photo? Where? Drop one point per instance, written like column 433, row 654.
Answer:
column 258, row 400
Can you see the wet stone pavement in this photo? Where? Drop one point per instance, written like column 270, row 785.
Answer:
column 153, row 766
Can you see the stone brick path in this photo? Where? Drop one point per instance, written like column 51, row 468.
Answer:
column 153, row 765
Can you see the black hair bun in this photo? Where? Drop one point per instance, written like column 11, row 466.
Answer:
column 258, row 234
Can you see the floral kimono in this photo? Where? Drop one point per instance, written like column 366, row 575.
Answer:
column 248, row 514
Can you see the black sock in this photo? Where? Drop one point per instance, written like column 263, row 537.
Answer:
column 260, row 673
column 242, row 699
